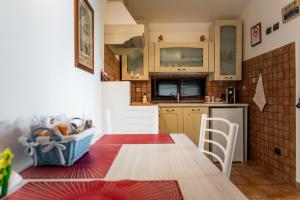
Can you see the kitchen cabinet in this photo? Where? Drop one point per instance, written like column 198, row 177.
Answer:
column 227, row 36
column 181, row 57
column 171, row 120
column 135, row 65
column 185, row 120
column 192, row 123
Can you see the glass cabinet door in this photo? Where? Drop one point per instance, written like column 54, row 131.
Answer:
column 135, row 63
column 228, row 50
column 181, row 57
column 227, row 36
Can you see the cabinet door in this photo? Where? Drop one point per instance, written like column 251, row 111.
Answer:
column 135, row 66
column 181, row 57
column 228, row 50
column 192, row 123
column 170, row 120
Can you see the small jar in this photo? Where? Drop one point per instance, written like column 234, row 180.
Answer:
column 145, row 100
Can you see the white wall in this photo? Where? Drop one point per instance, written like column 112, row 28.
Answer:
column 268, row 12
column 178, row 32
column 37, row 73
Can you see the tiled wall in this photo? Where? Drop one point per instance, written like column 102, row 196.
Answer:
column 138, row 88
column 275, row 127
column 111, row 65
column 216, row 88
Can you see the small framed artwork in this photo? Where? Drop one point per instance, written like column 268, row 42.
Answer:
column 256, row 35
column 84, row 35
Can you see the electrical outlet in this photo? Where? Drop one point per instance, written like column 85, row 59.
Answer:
column 276, row 26
column 278, row 151
column 268, row 30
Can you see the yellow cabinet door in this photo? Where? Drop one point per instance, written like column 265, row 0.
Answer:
column 192, row 123
column 170, row 120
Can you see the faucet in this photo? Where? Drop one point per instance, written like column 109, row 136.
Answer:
column 177, row 96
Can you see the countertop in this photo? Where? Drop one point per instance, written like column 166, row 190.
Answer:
column 190, row 104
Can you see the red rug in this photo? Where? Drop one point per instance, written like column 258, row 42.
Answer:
column 94, row 164
column 136, row 139
column 118, row 190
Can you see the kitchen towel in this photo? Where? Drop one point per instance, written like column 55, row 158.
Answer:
column 260, row 97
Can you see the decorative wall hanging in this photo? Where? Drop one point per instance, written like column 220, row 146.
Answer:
column 290, row 11
column 84, row 35
column 256, row 35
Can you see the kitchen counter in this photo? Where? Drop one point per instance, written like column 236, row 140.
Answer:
column 202, row 105
column 190, row 104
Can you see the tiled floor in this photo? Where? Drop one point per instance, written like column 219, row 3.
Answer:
column 256, row 184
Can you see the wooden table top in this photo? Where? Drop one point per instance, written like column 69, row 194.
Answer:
column 197, row 176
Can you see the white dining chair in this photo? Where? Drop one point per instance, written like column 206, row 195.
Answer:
column 133, row 120
column 227, row 150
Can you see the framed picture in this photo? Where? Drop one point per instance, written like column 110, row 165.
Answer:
column 84, row 35
column 256, row 35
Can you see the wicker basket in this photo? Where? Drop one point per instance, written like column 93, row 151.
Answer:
column 57, row 149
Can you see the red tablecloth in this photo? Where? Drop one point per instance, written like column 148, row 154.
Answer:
column 118, row 190
column 94, row 164
column 136, row 139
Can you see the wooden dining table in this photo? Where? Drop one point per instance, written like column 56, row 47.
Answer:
column 198, row 178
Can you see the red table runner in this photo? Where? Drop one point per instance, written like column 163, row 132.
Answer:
column 115, row 190
column 94, row 164
column 136, row 139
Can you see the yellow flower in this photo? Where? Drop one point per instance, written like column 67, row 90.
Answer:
column 3, row 165
column 7, row 154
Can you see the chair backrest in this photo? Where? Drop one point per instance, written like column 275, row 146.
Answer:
column 227, row 150
column 133, row 120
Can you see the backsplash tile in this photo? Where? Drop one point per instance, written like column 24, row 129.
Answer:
column 275, row 127
column 216, row 88
column 138, row 89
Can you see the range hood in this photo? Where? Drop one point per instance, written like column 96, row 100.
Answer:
column 121, row 33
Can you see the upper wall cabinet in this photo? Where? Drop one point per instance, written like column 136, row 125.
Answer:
column 135, row 66
column 181, row 57
column 227, row 35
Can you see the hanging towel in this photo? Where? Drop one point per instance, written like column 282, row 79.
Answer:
column 260, row 98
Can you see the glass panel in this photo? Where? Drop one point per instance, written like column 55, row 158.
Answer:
column 181, row 57
column 167, row 88
column 192, row 87
column 135, row 63
column 228, row 50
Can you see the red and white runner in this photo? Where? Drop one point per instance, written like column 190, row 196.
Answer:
column 94, row 164
column 136, row 139
column 104, row 190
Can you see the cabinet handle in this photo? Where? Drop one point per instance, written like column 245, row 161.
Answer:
column 178, row 69
column 137, row 77
column 228, row 77
column 183, row 69
column 132, row 77
column 193, row 109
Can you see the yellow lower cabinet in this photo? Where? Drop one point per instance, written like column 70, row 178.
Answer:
column 192, row 123
column 170, row 120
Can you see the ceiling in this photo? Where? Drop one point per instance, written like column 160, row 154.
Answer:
column 185, row 10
